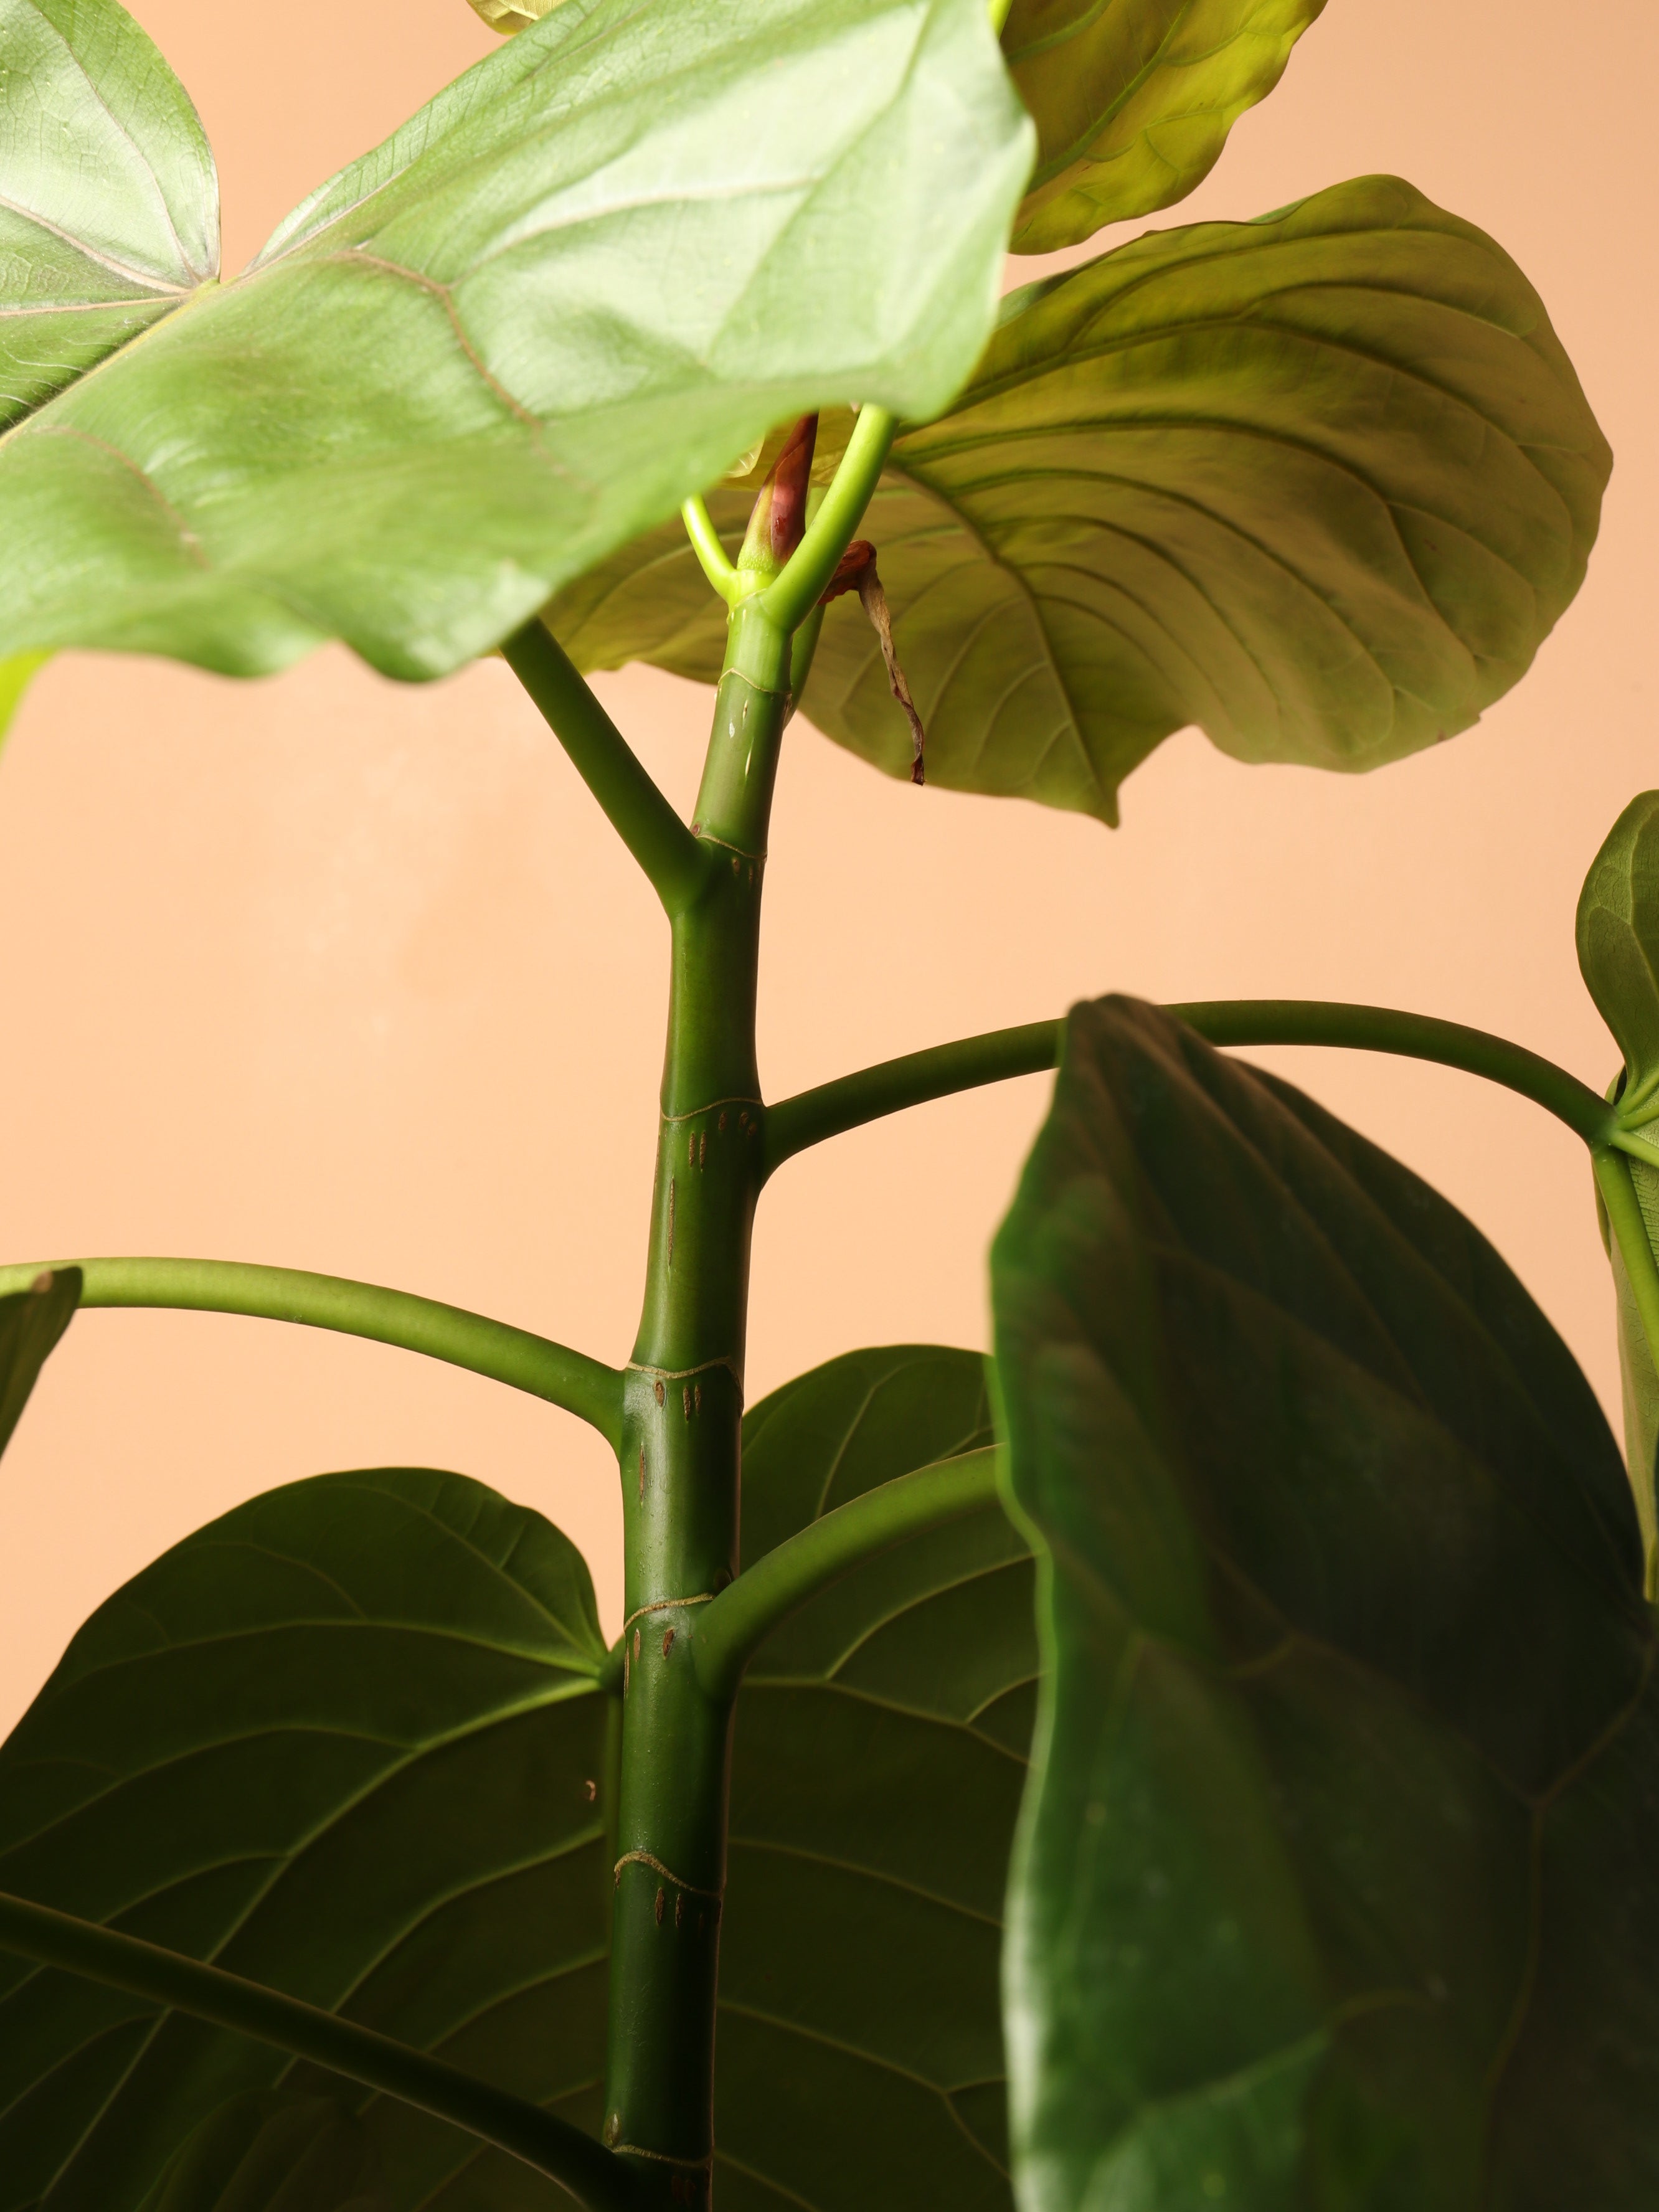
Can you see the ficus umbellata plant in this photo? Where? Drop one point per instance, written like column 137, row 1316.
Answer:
column 1206, row 1756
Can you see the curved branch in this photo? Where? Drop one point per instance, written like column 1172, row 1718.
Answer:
column 582, row 1386
column 851, row 1100
column 831, row 1108
column 730, row 1627
column 1411, row 1036
column 675, row 864
column 712, row 556
column 539, row 2139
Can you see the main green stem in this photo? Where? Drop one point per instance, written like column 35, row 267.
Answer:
column 679, row 1458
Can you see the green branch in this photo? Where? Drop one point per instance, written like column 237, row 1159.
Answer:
column 790, row 596
column 539, row 2139
column 582, row 1386
column 851, row 1100
column 727, row 1631
column 675, row 864
column 1413, row 1036
column 712, row 556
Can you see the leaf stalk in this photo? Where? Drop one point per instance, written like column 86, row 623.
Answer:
column 585, row 1386
column 674, row 863
column 726, row 1633
column 850, row 1101
column 712, row 556
column 523, row 2131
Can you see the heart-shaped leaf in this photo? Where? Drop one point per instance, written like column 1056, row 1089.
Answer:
column 1336, row 1880
column 1133, row 99
column 268, row 2152
column 880, row 1751
column 32, row 1324
column 109, row 206
column 347, row 1741
column 564, row 295
column 1319, row 484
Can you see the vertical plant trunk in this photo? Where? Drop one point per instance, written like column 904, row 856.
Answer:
column 680, row 1462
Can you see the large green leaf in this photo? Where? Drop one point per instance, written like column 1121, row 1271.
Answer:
column 109, row 207
column 347, row 1742
column 1319, row 484
column 267, row 2152
column 1335, row 1889
column 564, row 295
column 344, row 1741
column 1133, row 99
column 31, row 1325
column 879, row 1755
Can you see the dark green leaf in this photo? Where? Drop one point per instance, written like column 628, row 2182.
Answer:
column 346, row 1742
column 109, row 207
column 342, row 1741
column 268, row 2152
column 1336, row 1882
column 1133, row 99
column 879, row 1755
column 1319, row 484
column 564, row 295
column 32, row 1324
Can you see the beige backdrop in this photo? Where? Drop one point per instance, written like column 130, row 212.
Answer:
column 333, row 974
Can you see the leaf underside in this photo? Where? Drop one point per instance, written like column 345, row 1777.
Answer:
column 1319, row 484
column 1133, row 99
column 347, row 1742
column 1335, row 1883
column 879, row 1757
column 562, row 296
column 31, row 1325
column 272, row 2154
column 340, row 1741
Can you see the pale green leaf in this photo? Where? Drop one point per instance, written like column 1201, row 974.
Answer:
column 1133, row 99
column 17, row 674
column 109, row 207
column 568, row 293
column 1335, row 1881
column 1319, row 484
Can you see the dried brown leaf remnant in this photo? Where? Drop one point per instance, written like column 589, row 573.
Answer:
column 856, row 572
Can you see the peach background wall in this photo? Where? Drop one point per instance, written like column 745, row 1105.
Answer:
column 329, row 973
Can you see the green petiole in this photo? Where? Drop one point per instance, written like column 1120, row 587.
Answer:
column 582, row 1386
column 538, row 2139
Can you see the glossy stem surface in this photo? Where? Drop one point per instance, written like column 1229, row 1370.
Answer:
column 582, row 1386
column 552, row 2146
column 680, row 1462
